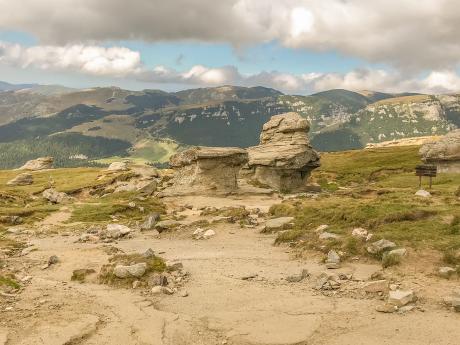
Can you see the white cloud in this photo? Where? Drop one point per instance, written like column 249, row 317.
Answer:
column 411, row 35
column 94, row 60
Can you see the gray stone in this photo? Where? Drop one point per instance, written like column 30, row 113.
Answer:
column 53, row 259
column 166, row 225
column 117, row 230
column 21, row 180
column 276, row 224
column 423, row 193
column 156, row 290
column 398, row 252
column 376, row 286
column 136, row 270
column 400, row 298
column 150, row 222
column 445, row 153
column 380, row 246
column 208, row 234
column 296, row 278
column 118, row 166
column 332, row 260
column 55, row 197
column 446, row 272
column 149, row 253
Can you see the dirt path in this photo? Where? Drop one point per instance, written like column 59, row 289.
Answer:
column 221, row 307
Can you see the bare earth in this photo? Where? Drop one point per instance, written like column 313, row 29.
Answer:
column 221, row 307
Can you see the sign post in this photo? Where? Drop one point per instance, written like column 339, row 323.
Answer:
column 429, row 170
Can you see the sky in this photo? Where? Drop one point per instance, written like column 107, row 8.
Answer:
column 295, row 46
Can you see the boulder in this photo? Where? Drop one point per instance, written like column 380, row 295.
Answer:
column 117, row 230
column 206, row 170
column 284, row 159
column 446, row 272
column 118, row 166
column 445, row 153
column 38, row 164
column 21, row 180
column 55, row 197
column 423, row 193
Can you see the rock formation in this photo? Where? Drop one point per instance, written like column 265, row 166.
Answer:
column 38, row 164
column 284, row 158
column 21, row 180
column 202, row 170
column 444, row 153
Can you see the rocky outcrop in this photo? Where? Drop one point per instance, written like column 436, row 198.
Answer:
column 202, row 170
column 118, row 166
column 55, row 197
column 39, row 164
column 21, row 180
column 445, row 153
column 284, row 158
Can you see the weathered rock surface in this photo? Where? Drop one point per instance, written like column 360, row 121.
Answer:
column 332, row 260
column 380, row 246
column 446, row 272
column 118, row 166
column 150, row 222
column 38, row 164
column 117, row 230
column 136, row 270
column 445, row 153
column 400, row 298
column 21, row 180
column 276, row 224
column 55, row 197
column 204, row 170
column 284, row 158
column 423, row 193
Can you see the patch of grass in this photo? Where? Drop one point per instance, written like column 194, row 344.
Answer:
column 451, row 256
column 101, row 209
column 9, row 282
column 284, row 209
column 80, row 274
column 389, row 260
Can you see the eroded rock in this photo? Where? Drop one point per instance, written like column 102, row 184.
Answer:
column 38, row 164
column 55, row 197
column 23, row 179
column 445, row 153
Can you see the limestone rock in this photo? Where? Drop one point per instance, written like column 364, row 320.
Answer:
column 204, row 170
column 332, row 260
column 276, row 224
column 446, row 272
column 359, row 233
column 118, row 166
column 55, row 197
column 380, row 246
column 423, row 193
column 21, row 180
column 38, row 164
column 400, row 298
column 136, row 270
column 284, row 159
column 166, row 225
column 445, row 153
column 376, row 286
column 117, row 230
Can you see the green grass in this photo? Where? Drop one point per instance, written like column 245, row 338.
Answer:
column 9, row 282
column 101, row 209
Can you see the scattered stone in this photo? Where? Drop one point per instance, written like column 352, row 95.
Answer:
column 380, row 246
column 21, row 180
column 136, row 270
column 276, row 224
column 150, row 222
column 400, row 298
column 118, row 166
column 386, row 308
column 55, row 197
column 203, row 234
column 208, row 234
column 376, row 286
column 423, row 193
column 156, row 290
column 328, row 236
column 296, row 278
column 53, row 259
column 327, row 281
column 332, row 260
column 183, row 293
column 38, row 164
column 117, row 230
column 174, row 266
column 397, row 252
column 446, row 272
column 359, row 233
column 149, row 253
column 166, row 225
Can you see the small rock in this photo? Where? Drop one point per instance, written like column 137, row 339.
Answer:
column 376, row 286
column 328, row 236
column 446, row 272
column 386, row 308
column 321, row 228
column 332, row 260
column 167, row 290
column 380, row 246
column 276, row 224
column 53, row 259
column 183, row 293
column 55, row 197
column 400, row 298
column 296, row 278
column 149, row 253
column 136, row 270
column 136, row 284
column 132, row 204
column 359, row 233
column 150, row 222
column 398, row 252
column 423, row 193
column 117, row 230
column 156, row 290
column 208, row 234
column 166, row 225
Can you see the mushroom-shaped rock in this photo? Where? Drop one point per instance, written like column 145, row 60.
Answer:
column 202, row 170
column 38, row 164
column 445, row 153
column 284, row 158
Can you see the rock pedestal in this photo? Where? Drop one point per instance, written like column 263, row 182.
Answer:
column 445, row 153
column 202, row 170
column 284, row 159
column 39, row 164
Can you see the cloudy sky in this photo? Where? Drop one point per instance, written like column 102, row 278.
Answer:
column 296, row 46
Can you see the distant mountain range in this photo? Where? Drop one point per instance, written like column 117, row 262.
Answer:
column 149, row 125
